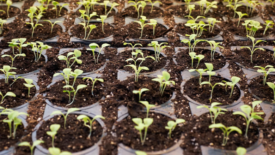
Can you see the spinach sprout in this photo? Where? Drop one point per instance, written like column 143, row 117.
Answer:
column 133, row 46
column 93, row 81
column 9, row 3
column 268, row 24
column 192, row 42
column 232, row 84
column 57, row 151
column 253, row 49
column 200, row 71
column 193, row 56
column 210, row 71
column 102, row 19
column 171, row 125
column 154, row 23
column 21, row 44
column 35, row 143
column 213, row 44
column 272, row 86
column 214, row 110
column 212, row 87
column 6, row 70
column 65, row 116
column 152, row 4
column 254, row 26
column 75, row 55
column 80, row 86
column 2, row 22
column 264, row 72
column 190, row 8
column 29, row 85
column 93, row 46
column 163, row 81
column 11, row 94
column 38, row 49
column 52, row 24
column 12, row 58
column 234, row 7
column 87, row 119
column 32, row 14
column 13, row 44
column 75, row 74
column 240, row 14
column 212, row 22
column 54, row 128
column 158, row 48
column 142, row 126
column 148, row 106
column 139, row 92
column 142, row 24
column 66, row 75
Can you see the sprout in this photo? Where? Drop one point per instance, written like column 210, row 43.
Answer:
column 209, row 71
column 60, row 8
column 190, row 8
column 91, row 27
column 213, row 44
column 254, row 26
column 210, row 5
column 80, row 86
column 253, row 49
column 11, row 94
column 29, row 85
column 253, row 4
column 158, row 48
column 66, row 75
column 214, row 110
column 192, row 42
column 32, row 11
column 269, row 24
column 154, row 23
column 93, row 46
column 6, row 70
column 105, row 3
column 93, row 81
column 65, row 116
column 148, row 106
column 136, row 6
column 193, row 56
column 139, row 92
column 272, row 86
column 12, row 58
column 211, row 23
column 234, row 7
column 163, row 81
column 21, row 44
column 171, row 125
column 196, row 26
column 57, row 151
column 38, row 49
column 142, row 24
column 55, row 3
column 249, row 114
column 54, row 128
column 142, row 6
column 75, row 55
column 13, row 44
column 200, row 71
column 152, row 4
column 87, row 119
column 240, row 14
column 35, row 143
column 133, row 46
column 75, row 74
column 232, row 84
column 265, row 73
column 241, row 151
column 142, row 126
column 86, row 24
column 140, row 153
column 52, row 24
column 102, row 19
column 212, row 87
column 114, row 4
column 2, row 22
column 9, row 3
column 226, row 131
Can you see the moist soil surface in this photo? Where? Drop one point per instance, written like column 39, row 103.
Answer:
column 202, row 93
column 79, row 32
column 202, row 135
column 19, row 90
column 132, row 12
column 50, row 13
column 269, row 131
column 13, row 11
column 184, row 60
column 180, row 11
column 150, row 63
column 157, row 136
column 134, row 31
column 83, row 97
column 224, row 11
column 7, row 142
column 270, row 10
column 259, row 58
column 22, row 64
column 99, row 9
column 88, row 62
column 262, row 91
column 73, row 138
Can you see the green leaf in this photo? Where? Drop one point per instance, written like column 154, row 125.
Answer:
column 234, row 128
column 179, row 120
column 24, row 144
column 72, row 110
column 55, row 127
column 219, row 125
column 148, row 121
column 37, row 142
column 137, row 120
column 241, row 151
column 57, row 113
column 81, row 86
column 11, row 94
column 239, row 113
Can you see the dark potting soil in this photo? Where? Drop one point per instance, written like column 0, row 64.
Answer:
column 134, row 31
column 183, row 30
column 150, row 63
column 79, row 32
column 180, row 11
column 184, row 60
column 132, row 12
column 157, row 136
column 262, row 91
column 199, row 133
column 83, row 97
column 202, row 93
column 6, row 142
column 270, row 10
column 269, row 131
column 224, row 11
column 13, row 11
column 74, row 138
column 19, row 90
column 22, row 64
column 50, row 13
column 259, row 58
column 99, row 9
column 88, row 62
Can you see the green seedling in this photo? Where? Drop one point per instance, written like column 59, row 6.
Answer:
column 105, row 3
column 2, row 22
column 154, row 23
column 232, row 84
column 6, row 70
column 57, row 151
column 253, row 49
column 234, row 7
column 32, row 14
column 13, row 44
column 54, row 128
column 212, row 87
column 52, row 24
column 29, row 85
column 142, row 5
column 226, row 131
column 133, row 46
column 142, row 126
column 38, row 49
column 136, row 6
column 31, row 11
column 140, row 153
column 85, row 24
column 268, row 25
column 93, row 81
column 272, row 86
column 241, row 15
column 21, row 44
column 67, row 72
column 171, row 125
column 35, row 143
column 87, row 120
column 114, row 4
column 265, row 72
column 102, row 19
column 211, row 23
column 93, row 46
column 241, row 151
column 74, row 56
column 148, row 106
column 142, row 24
column 252, row 27
column 75, row 74
column 210, row 71
column 139, row 92
column 192, row 42
column 80, row 86
column 60, row 8
column 214, row 111
column 9, row 3
column 158, row 48
column 193, row 56
column 65, row 116
column 13, row 58
column 199, row 57
column 190, row 8
column 249, row 114
column 199, row 26
column 10, row 94
column 91, row 27
column 253, row 5
column 213, row 44
column 163, row 81
column 152, row 4
column 55, row 4
column 209, row 6
column 200, row 71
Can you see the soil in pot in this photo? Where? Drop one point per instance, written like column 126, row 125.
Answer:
column 19, row 90
column 134, row 31
column 5, row 142
column 13, row 11
column 50, row 13
column 157, row 136
column 269, row 128
column 184, row 60
column 202, row 93
column 259, row 58
column 181, row 11
column 99, row 9
column 83, row 97
column 224, row 11
column 88, row 62
column 132, row 12
column 73, row 138
column 198, row 133
column 79, row 32
column 270, row 10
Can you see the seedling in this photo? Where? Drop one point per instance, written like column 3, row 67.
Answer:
column 234, row 7
column 249, row 114
column 93, row 46
column 31, row 11
column 29, row 85
column 212, row 87
column 163, row 81
column 142, row 126
column 140, row 153
column 87, row 119
column 93, row 81
column 80, row 86
column 193, row 56
column 232, row 84
column 133, row 46
column 264, row 72
column 35, row 143
column 2, row 22
column 6, row 70
column 196, row 26
column 253, row 49
column 158, row 48
column 75, row 74
column 136, row 6
column 192, row 42
column 241, row 15
column 102, row 19
column 74, row 56
column 11, row 94
column 86, row 24
column 142, row 5
column 152, row 4
column 114, row 4
column 21, row 44
column 190, row 9
column 148, row 107
column 13, row 44
column 60, row 8
column 171, row 125
column 200, row 71
column 54, row 128
column 65, row 116
column 209, row 71
column 52, row 24
column 142, row 24
column 210, row 5
column 38, row 49
column 9, row 3
column 139, row 92
column 272, row 86
column 31, row 14
column 214, row 110
column 57, row 151
column 213, row 44
column 211, row 23
column 268, row 24
column 154, row 23
column 254, row 26
column 66, row 75
column 55, row 4
column 226, row 131
column 241, row 151
column 12, row 58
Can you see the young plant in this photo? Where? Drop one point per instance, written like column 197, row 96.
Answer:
column 136, row 6
column 54, row 128
column 38, row 49
column 158, row 48
column 272, row 86
column 171, row 125
column 6, row 70
column 87, row 120
column 192, row 42
column 200, row 71
column 93, row 81
column 80, row 86
column 13, row 44
column 190, row 8
column 60, row 8
column 249, row 114
column 67, row 72
column 152, row 4
column 209, row 6
column 102, row 19
column 2, row 22
column 31, row 14
column 31, row 11
column 114, row 4
column 93, row 46
column 35, row 143
column 65, row 116
column 10, row 94
column 209, row 69
column 214, row 111
column 142, row 24
column 55, row 4
column 200, row 26
column 212, row 87
column 213, row 44
column 193, row 56
column 241, row 15
column 226, row 131
column 9, row 3
column 91, row 27
column 265, row 72
column 234, row 7
column 142, row 125
column 154, row 23
column 253, row 49
column 139, row 92
column 74, row 56
column 268, row 24
column 29, row 85
column 254, row 27
column 52, row 24
column 133, row 46
column 211, row 23
column 57, row 151
column 148, row 106
column 163, row 81
column 232, row 84
column 13, row 58
column 75, row 74
column 241, row 151
column 21, row 44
